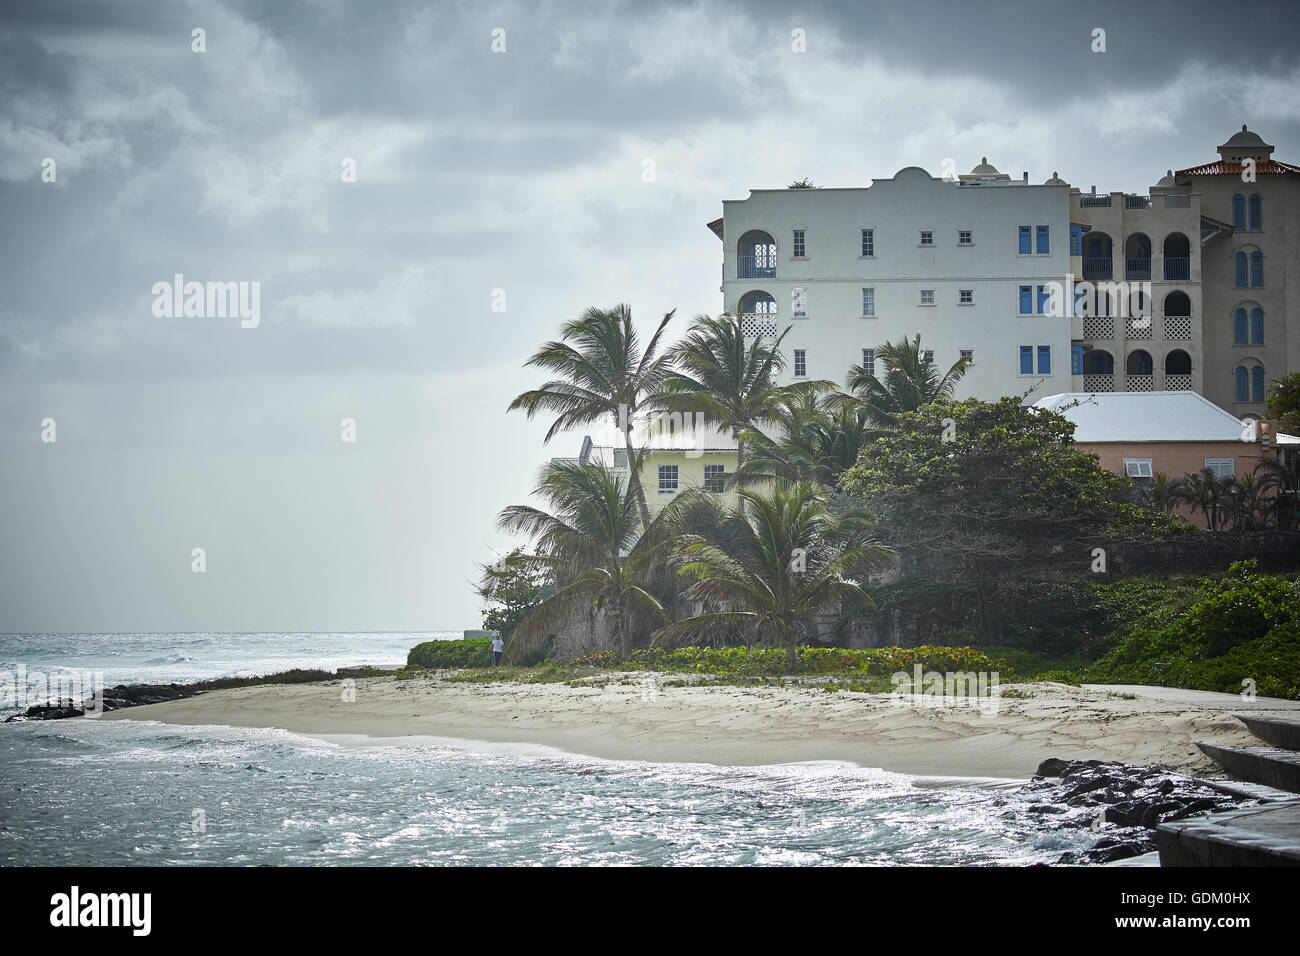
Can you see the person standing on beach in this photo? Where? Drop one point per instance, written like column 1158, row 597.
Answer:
column 498, row 646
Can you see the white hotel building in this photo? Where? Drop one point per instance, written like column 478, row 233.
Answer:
column 965, row 263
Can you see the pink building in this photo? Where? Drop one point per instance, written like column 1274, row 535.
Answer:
column 1142, row 434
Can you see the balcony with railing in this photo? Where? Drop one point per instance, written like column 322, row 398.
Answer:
column 1178, row 267
column 1138, row 383
column 1137, row 267
column 1098, row 267
column 1137, row 202
column 756, row 267
column 1086, row 201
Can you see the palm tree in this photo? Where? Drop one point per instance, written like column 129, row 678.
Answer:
column 605, row 374
column 595, row 548
column 776, row 565
column 725, row 377
column 1206, row 492
column 820, row 437
column 1280, row 482
column 909, row 382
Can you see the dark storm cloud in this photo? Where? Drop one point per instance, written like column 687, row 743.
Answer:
column 477, row 171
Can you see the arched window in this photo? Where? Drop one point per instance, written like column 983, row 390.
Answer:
column 1239, row 327
column 1178, row 362
column 1239, row 211
column 1256, row 212
column 1256, row 270
column 1257, row 383
column 1257, row 326
column 1239, row 270
column 1242, row 381
column 1139, row 363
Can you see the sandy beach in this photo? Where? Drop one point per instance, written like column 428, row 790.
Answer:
column 753, row 725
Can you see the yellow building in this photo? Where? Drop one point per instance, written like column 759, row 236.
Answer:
column 677, row 458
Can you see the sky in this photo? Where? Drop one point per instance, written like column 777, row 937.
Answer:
column 514, row 165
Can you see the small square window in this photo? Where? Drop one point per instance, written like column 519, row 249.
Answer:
column 715, row 478
column 927, row 356
column 668, row 479
column 927, row 297
column 966, row 296
column 968, row 356
column 800, row 363
column 868, row 301
column 799, row 250
column 1222, row 467
column 927, row 237
column 868, row 242
column 798, row 302
column 965, row 237
column 1137, row 468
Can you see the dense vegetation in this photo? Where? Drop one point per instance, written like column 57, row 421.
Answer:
column 834, row 489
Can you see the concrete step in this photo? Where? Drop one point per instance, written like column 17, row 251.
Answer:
column 1270, row 766
column 1257, row 836
column 1280, row 731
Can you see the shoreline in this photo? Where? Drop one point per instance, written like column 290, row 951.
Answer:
column 749, row 726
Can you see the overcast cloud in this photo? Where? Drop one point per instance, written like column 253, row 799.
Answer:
column 476, row 171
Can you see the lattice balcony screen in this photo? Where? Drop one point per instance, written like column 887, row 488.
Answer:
column 1178, row 327
column 1098, row 327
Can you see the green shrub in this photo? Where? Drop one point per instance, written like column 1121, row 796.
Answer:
column 1242, row 626
column 437, row 654
column 760, row 661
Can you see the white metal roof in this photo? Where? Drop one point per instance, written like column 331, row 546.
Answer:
column 1143, row 416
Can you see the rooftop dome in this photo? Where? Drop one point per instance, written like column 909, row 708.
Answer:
column 1245, row 145
column 1167, row 179
column 1244, row 138
column 1056, row 180
column 984, row 171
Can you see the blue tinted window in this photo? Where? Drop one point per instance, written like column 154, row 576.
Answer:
column 1043, row 244
column 1025, row 241
column 1044, row 360
column 1026, row 360
column 1026, row 299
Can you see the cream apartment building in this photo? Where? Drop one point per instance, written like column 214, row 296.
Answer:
column 967, row 263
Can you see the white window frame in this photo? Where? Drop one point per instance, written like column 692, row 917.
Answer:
column 1138, row 468
column 869, row 292
column 1219, row 465
column 927, row 237
column 965, row 296
column 669, row 486
column 968, row 355
column 927, row 292
column 799, row 302
column 868, row 244
column 869, row 361
column 799, row 244
column 970, row 237
column 800, row 359
column 927, row 356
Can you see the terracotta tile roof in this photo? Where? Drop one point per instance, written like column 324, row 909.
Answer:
column 1232, row 167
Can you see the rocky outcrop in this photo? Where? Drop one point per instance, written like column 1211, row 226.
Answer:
column 1123, row 804
column 114, row 698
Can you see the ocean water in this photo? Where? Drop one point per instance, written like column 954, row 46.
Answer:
column 111, row 793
